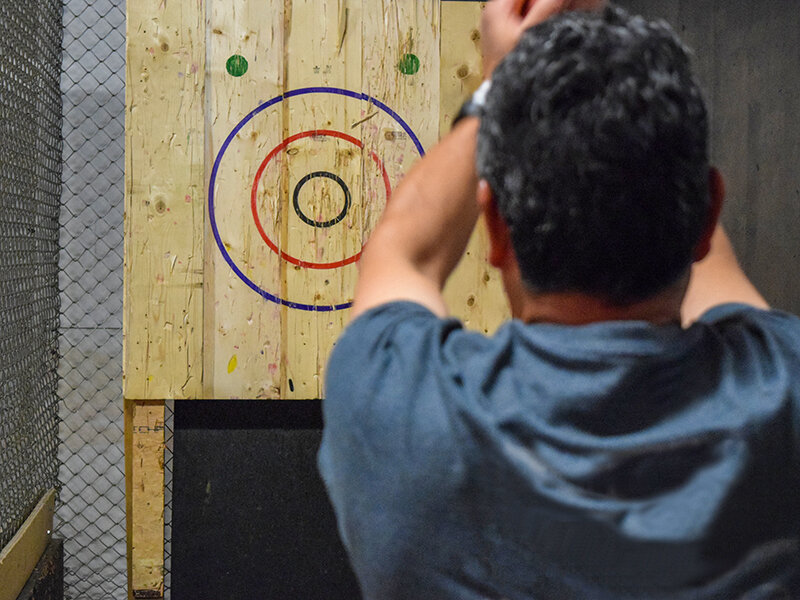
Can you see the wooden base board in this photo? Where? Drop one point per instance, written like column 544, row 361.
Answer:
column 20, row 556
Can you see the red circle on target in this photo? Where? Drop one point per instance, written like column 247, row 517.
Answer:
column 266, row 161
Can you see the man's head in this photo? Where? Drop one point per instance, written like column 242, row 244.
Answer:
column 594, row 144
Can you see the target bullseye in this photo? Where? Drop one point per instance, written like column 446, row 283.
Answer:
column 253, row 268
column 318, row 133
column 309, row 220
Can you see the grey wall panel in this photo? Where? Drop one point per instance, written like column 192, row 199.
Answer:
column 747, row 56
column 90, row 515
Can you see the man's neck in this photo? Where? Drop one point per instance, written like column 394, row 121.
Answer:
column 582, row 309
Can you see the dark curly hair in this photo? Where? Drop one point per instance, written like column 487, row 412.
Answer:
column 594, row 142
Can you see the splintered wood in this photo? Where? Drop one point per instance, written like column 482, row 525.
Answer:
column 241, row 260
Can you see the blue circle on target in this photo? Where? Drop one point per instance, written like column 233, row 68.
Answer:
column 261, row 107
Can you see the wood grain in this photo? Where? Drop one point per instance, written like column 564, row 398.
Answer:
column 144, row 476
column 164, row 199
column 243, row 341
column 327, row 103
column 350, row 53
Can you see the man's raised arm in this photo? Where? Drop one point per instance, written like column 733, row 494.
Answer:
column 425, row 228
column 427, row 224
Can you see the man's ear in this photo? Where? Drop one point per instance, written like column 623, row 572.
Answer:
column 716, row 191
column 500, row 248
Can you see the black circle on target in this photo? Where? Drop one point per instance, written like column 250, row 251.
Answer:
column 327, row 175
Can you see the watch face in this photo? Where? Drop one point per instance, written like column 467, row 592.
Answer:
column 479, row 97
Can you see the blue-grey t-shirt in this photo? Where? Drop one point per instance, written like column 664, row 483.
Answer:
column 612, row 460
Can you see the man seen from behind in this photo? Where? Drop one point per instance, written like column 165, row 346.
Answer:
column 633, row 431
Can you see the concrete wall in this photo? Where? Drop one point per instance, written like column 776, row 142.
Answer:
column 748, row 60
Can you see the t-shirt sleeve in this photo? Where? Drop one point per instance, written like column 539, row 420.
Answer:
column 388, row 437
column 782, row 326
column 733, row 310
column 767, row 343
column 391, row 350
column 776, row 333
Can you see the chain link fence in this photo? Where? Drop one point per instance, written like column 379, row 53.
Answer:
column 30, row 187
column 90, row 515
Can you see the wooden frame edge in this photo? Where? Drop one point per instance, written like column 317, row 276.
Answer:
column 21, row 555
column 144, row 497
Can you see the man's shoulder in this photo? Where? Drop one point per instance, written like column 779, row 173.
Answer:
column 404, row 342
column 737, row 312
column 757, row 349
column 389, row 312
column 740, row 321
column 402, row 323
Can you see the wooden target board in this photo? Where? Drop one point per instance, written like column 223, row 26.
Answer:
column 264, row 140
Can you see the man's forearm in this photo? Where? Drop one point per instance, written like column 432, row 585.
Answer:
column 429, row 219
column 425, row 227
column 434, row 210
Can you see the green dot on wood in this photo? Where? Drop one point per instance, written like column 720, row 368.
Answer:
column 409, row 64
column 236, row 65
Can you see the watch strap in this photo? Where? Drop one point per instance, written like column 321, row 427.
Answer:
column 474, row 105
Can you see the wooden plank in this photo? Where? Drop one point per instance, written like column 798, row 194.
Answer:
column 164, row 199
column 144, row 476
column 47, row 580
column 360, row 49
column 128, row 441
column 242, row 354
column 461, row 69
column 317, row 130
column 323, row 48
column 474, row 292
column 19, row 557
